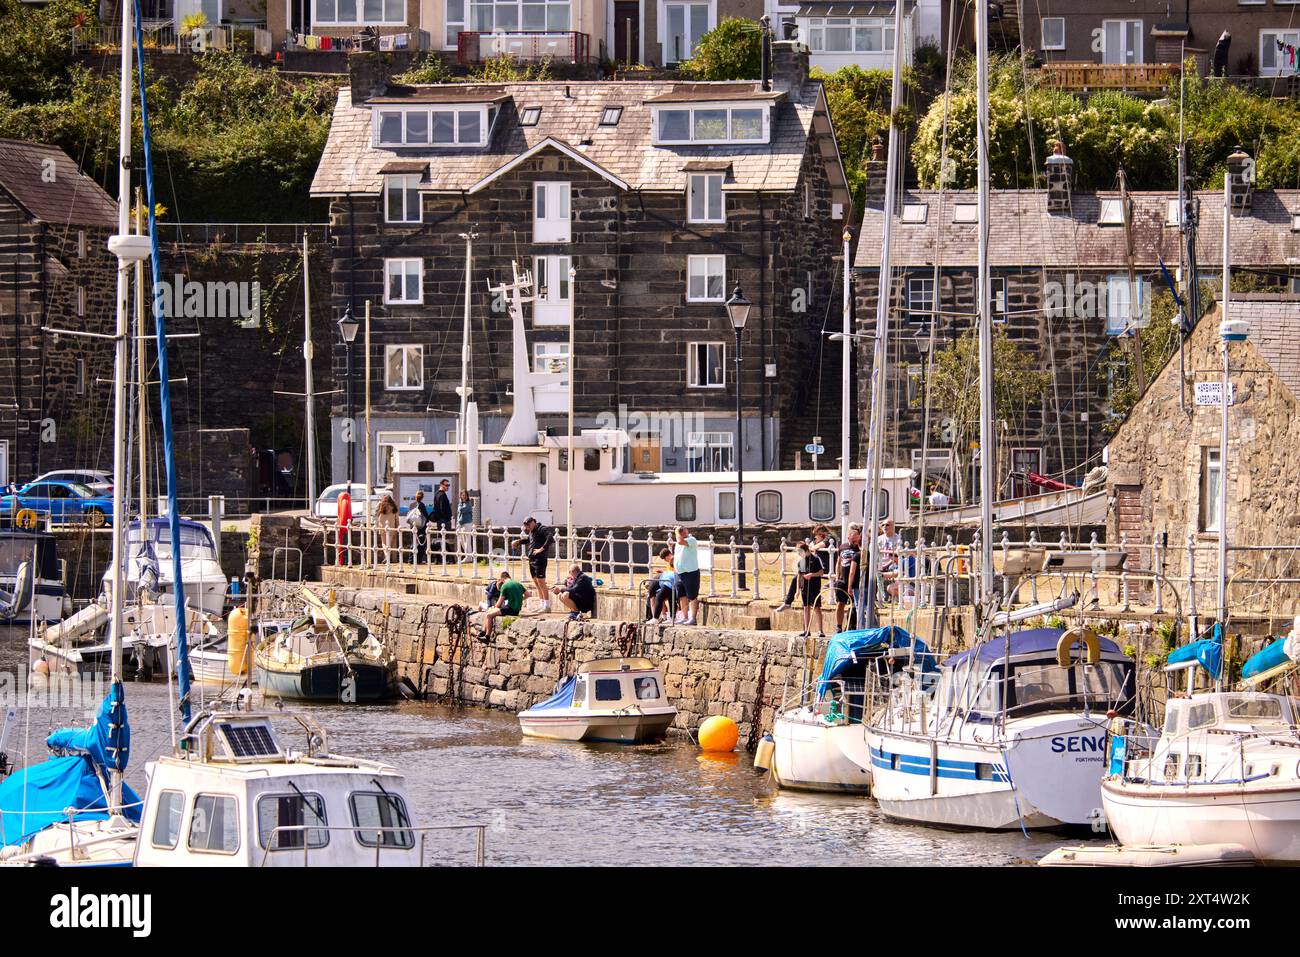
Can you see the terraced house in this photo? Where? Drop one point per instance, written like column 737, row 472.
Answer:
column 637, row 207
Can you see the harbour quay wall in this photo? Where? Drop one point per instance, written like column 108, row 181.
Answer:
column 707, row 671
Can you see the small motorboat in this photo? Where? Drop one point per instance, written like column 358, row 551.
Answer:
column 31, row 580
column 611, row 699
column 325, row 656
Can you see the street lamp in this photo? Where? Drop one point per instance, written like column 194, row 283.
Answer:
column 348, row 328
column 738, row 309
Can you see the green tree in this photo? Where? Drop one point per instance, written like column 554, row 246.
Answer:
column 730, row 51
column 34, row 45
column 859, row 103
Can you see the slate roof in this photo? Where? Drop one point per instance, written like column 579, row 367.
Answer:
column 1023, row 233
column 73, row 198
column 351, row 164
column 1274, row 332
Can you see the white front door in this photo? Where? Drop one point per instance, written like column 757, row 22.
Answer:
column 724, row 506
column 1122, row 41
column 551, row 219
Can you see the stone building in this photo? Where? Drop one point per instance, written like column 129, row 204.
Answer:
column 615, row 181
column 1165, row 474
column 1060, row 290
column 55, row 273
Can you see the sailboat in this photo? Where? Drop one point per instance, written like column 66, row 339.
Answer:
column 1012, row 733
column 75, row 809
column 1223, row 770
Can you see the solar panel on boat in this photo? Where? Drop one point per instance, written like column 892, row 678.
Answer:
column 249, row 740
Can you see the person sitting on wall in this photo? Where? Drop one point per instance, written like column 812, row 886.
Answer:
column 537, row 544
column 509, row 602
column 823, row 546
column 659, row 591
column 578, row 593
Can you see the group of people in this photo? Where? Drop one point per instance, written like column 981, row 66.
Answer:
column 821, row 560
column 674, row 595
column 420, row 518
column 505, row 596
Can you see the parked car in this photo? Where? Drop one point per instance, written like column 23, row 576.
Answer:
column 327, row 504
column 59, row 501
column 97, row 480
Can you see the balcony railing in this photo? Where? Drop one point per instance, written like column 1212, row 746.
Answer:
column 163, row 37
column 1109, row 76
column 525, row 45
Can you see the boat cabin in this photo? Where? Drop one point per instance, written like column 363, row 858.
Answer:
column 234, row 796
column 1022, row 674
column 1241, row 711
column 618, row 683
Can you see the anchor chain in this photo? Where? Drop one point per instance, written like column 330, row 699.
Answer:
column 756, row 725
column 456, row 618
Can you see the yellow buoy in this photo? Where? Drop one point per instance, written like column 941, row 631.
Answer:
column 718, row 733
column 41, row 667
column 237, row 642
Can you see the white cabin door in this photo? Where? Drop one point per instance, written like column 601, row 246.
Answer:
column 724, row 506
column 543, row 486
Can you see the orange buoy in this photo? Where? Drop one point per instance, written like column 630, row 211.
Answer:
column 237, row 642
column 718, row 733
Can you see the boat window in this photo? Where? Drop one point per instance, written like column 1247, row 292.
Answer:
column 496, row 471
column 983, row 772
column 381, row 819
column 1036, row 684
column 1106, row 682
column 214, row 824
column 1200, row 715
column 1193, row 765
column 989, row 698
column 290, row 811
column 685, row 508
column 1171, row 766
column 1249, row 707
column 647, row 689
column 609, row 689
column 580, row 692
column 1171, row 720
column 167, row 820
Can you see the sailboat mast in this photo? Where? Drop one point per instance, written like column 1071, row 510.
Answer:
column 986, row 450
column 462, row 437
column 876, row 432
column 309, row 386
column 141, row 369
column 1221, row 507
column 117, row 586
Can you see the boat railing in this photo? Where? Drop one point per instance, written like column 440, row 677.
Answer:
column 729, row 568
column 75, row 846
column 401, row 841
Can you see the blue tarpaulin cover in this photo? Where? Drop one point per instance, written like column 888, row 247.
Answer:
column 45, row 791
column 1266, row 659
column 1034, row 641
column 563, row 697
column 863, row 643
column 1208, row 652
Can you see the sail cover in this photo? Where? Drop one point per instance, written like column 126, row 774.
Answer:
column 563, row 697
column 847, row 652
column 1207, row 652
column 34, row 798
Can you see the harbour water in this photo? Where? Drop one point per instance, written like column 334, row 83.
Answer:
column 550, row 803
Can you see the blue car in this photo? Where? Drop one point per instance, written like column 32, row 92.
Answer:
column 60, row 502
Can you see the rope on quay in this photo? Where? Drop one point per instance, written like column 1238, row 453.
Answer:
column 456, row 618
column 756, row 723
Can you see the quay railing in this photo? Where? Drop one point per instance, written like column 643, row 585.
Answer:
column 728, row 569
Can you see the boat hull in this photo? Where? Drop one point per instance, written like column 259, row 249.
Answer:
column 332, row 681
column 811, row 755
column 1264, row 820
column 612, row 728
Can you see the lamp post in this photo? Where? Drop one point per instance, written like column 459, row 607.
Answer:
column 348, row 328
column 738, row 308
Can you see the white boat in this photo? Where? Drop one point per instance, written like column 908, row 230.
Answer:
column 1223, row 771
column 1166, row 855
column 819, row 741
column 611, row 699
column 31, row 579
column 1006, row 738
column 149, row 564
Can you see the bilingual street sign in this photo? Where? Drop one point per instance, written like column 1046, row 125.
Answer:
column 1209, row 393
column 813, row 449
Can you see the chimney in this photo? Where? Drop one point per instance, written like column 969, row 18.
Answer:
column 789, row 64
column 369, row 73
column 1060, row 179
column 876, row 168
column 1241, row 177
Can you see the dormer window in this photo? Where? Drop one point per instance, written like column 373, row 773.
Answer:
column 611, row 116
column 1112, row 213
column 530, row 116
column 711, row 124
column 965, row 213
column 433, row 126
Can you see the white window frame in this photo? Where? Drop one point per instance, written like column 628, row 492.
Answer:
column 412, row 367
column 657, row 113
column 326, row 13
column 553, row 302
column 392, row 265
column 485, row 113
column 1042, row 32
column 469, row 18
column 694, row 183
column 1268, row 41
column 758, row 506
column 1108, row 55
column 667, row 54
column 693, row 365
column 390, row 439
column 835, row 504
column 914, row 213
column 551, row 396
column 915, row 287
column 706, row 268
column 554, row 200
column 965, row 213
column 718, row 517
column 998, row 298
column 1119, row 291
column 1209, row 491
column 1111, row 212
column 408, row 189
column 859, row 29
column 711, row 445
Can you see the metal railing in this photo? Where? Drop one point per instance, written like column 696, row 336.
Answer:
column 243, row 234
column 483, row 552
column 159, row 35
column 480, row 839
column 563, row 46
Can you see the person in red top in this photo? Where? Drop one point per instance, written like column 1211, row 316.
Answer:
column 345, row 519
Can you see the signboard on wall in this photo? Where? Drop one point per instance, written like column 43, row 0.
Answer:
column 1208, row 393
column 406, row 484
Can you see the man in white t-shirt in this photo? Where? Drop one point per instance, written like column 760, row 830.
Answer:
column 686, row 562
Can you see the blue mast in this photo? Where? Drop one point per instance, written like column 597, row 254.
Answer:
column 164, row 390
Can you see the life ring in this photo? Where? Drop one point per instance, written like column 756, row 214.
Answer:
column 1091, row 645
column 26, row 518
